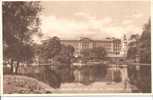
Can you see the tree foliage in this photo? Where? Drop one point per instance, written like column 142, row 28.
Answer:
column 145, row 44
column 20, row 21
column 95, row 53
column 65, row 55
column 99, row 52
column 141, row 47
column 145, row 57
column 133, row 46
column 53, row 52
column 50, row 48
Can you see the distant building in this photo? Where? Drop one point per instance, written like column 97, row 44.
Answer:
column 112, row 45
column 124, row 48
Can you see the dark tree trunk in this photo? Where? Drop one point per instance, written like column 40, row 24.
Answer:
column 11, row 70
column 17, row 66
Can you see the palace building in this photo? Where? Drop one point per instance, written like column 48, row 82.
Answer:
column 113, row 46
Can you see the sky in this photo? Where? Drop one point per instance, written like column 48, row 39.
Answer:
column 93, row 19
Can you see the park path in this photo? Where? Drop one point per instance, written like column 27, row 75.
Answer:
column 23, row 84
column 96, row 87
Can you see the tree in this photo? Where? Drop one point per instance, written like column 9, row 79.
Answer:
column 141, row 47
column 64, row 59
column 145, row 44
column 94, row 53
column 99, row 52
column 131, row 53
column 50, row 48
column 20, row 20
column 37, row 52
column 145, row 57
column 133, row 46
column 65, row 55
column 87, row 54
column 60, row 57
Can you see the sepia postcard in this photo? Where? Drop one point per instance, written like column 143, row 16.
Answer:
column 76, row 48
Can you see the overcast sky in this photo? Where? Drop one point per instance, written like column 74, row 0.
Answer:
column 95, row 20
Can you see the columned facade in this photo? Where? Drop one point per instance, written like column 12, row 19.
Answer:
column 111, row 45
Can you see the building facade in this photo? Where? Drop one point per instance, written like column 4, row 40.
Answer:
column 111, row 45
column 124, row 48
